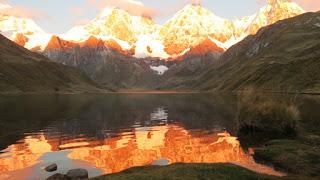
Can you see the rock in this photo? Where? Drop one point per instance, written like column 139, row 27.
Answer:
column 76, row 174
column 57, row 176
column 52, row 167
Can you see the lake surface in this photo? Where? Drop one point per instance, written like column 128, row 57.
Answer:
column 113, row 132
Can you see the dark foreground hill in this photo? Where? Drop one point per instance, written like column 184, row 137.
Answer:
column 282, row 57
column 22, row 71
column 187, row 171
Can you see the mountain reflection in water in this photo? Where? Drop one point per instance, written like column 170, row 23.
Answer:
column 141, row 147
column 171, row 142
column 153, row 134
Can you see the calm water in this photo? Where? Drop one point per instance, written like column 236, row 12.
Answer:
column 113, row 132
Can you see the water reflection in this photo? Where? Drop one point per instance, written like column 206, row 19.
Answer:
column 170, row 142
column 108, row 134
column 140, row 147
column 159, row 114
column 24, row 154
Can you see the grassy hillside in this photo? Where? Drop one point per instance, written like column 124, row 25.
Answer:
column 182, row 74
column 188, row 171
column 282, row 57
column 22, row 71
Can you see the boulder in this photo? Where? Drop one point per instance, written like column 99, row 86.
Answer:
column 77, row 174
column 52, row 167
column 57, row 176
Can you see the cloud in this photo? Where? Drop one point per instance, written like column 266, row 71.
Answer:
column 82, row 22
column 76, row 10
column 196, row 2
column 20, row 11
column 134, row 7
column 309, row 5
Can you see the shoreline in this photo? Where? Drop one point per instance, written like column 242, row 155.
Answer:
column 138, row 91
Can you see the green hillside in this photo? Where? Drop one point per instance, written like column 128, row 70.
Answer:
column 22, row 71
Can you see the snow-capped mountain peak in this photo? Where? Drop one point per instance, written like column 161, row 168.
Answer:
column 191, row 26
column 120, row 26
column 274, row 11
column 15, row 27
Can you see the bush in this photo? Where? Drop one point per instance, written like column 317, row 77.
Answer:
column 260, row 113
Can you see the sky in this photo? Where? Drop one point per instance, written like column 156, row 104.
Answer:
column 58, row 16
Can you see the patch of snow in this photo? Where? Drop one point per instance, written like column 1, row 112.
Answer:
column 218, row 43
column 234, row 40
column 123, row 44
column 317, row 24
column 38, row 40
column 80, row 34
column 7, row 34
column 160, row 69
column 149, row 41
column 77, row 33
column 105, row 13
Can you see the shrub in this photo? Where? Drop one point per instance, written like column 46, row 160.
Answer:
column 261, row 113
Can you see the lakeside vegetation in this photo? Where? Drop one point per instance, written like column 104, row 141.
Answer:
column 275, row 127
column 266, row 116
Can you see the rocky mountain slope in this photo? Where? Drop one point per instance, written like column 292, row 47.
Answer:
column 280, row 57
column 103, row 64
column 183, row 74
column 23, row 71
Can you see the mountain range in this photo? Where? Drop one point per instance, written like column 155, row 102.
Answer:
column 276, row 49
column 141, row 37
